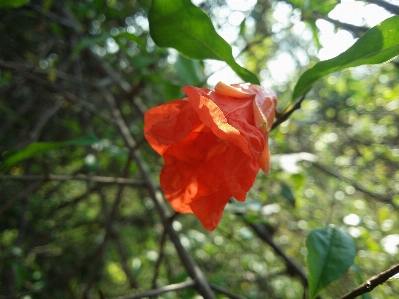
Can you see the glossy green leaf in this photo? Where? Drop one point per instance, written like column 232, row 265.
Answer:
column 36, row 148
column 330, row 254
column 13, row 3
column 377, row 45
column 321, row 6
column 181, row 25
column 189, row 71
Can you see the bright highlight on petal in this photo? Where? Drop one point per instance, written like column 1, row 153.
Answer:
column 229, row 90
column 213, row 145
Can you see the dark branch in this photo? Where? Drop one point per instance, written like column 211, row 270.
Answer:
column 162, row 290
column 356, row 30
column 373, row 282
column 330, row 170
column 66, row 177
column 388, row 6
column 285, row 115
column 292, row 267
column 188, row 262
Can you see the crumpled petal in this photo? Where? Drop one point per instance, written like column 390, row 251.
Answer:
column 191, row 167
column 169, row 123
column 213, row 144
column 240, row 172
column 264, row 107
column 231, row 119
column 209, row 209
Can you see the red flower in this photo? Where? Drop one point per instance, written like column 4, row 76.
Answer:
column 213, row 144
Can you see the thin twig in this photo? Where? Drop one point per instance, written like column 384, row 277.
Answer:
column 292, row 267
column 355, row 30
column 133, row 283
column 162, row 290
column 373, row 282
column 109, row 231
column 386, row 5
column 330, row 170
column 21, row 195
column 64, row 93
column 66, row 177
column 20, row 67
column 159, row 260
column 285, row 115
column 188, row 262
column 225, row 292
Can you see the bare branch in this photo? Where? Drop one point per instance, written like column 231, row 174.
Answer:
column 66, row 177
column 292, row 267
column 286, row 114
column 162, row 290
column 64, row 93
column 109, row 231
column 356, row 30
column 20, row 196
column 372, row 283
column 388, row 6
column 187, row 261
column 334, row 172
column 225, row 292
column 159, row 260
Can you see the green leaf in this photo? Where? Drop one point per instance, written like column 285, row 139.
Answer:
column 321, row 6
column 181, row 25
column 377, row 45
column 315, row 32
column 310, row 6
column 36, row 148
column 189, row 71
column 13, row 3
column 330, row 254
column 287, row 193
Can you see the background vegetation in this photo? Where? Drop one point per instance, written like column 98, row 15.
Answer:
column 81, row 214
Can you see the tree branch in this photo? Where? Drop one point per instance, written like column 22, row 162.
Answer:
column 292, row 267
column 356, row 30
column 161, row 290
column 21, row 195
column 225, row 292
column 358, row 187
column 193, row 270
column 286, row 114
column 66, row 177
column 158, row 263
column 373, row 282
column 387, row 6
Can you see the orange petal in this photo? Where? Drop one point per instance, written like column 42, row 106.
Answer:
column 209, row 209
column 179, row 183
column 169, row 123
column 211, row 115
column 228, row 90
column 264, row 161
column 264, row 109
column 240, row 172
column 232, row 126
column 157, row 114
column 264, row 104
column 193, row 169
